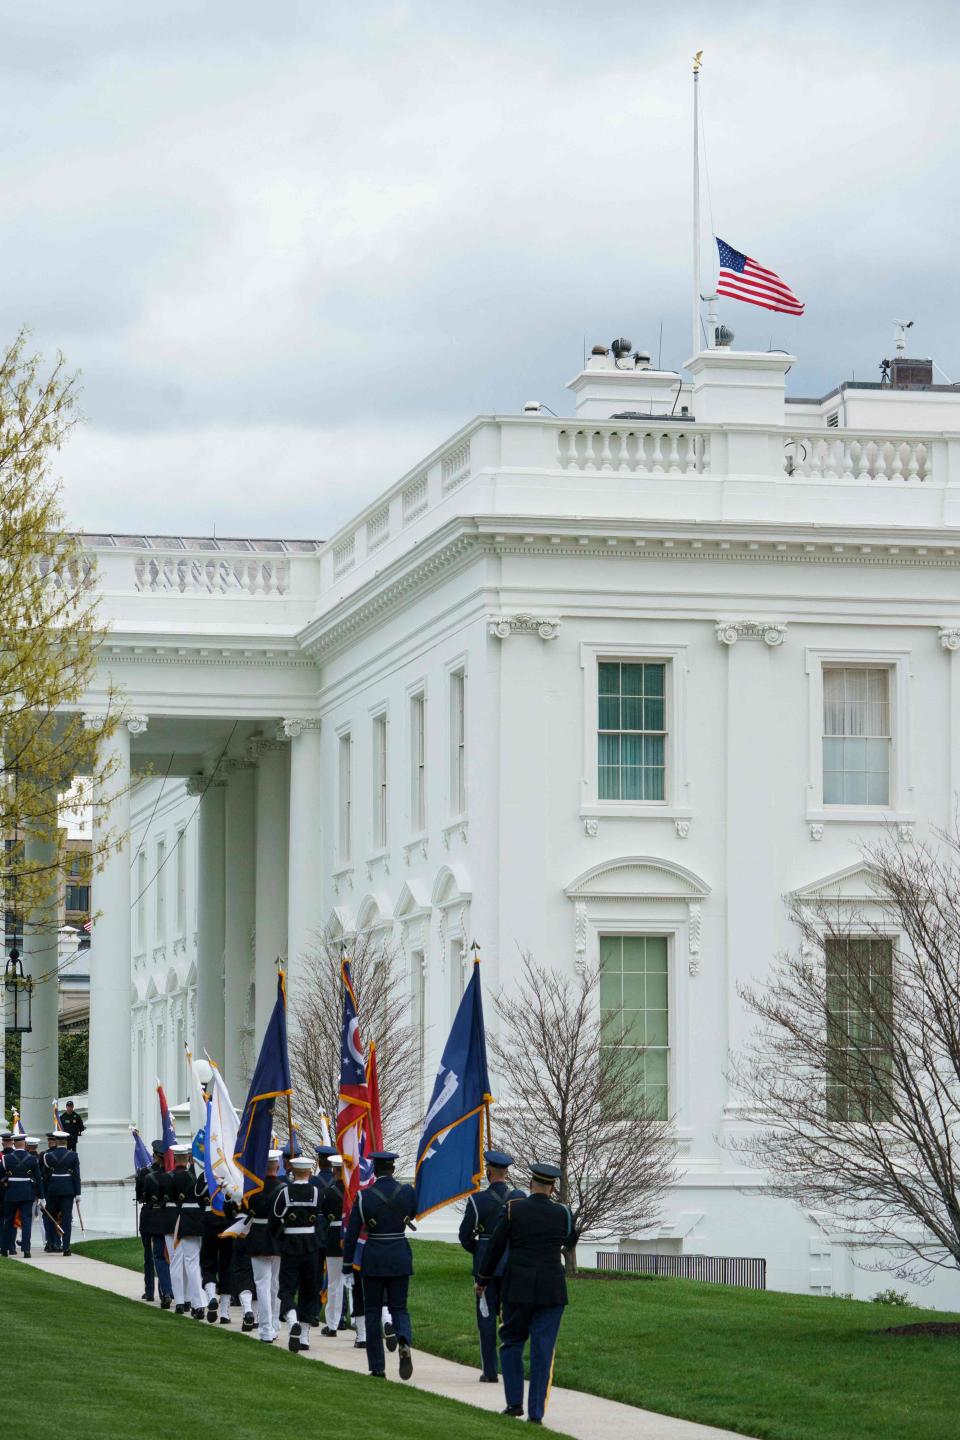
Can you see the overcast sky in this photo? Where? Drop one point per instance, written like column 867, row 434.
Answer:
column 290, row 247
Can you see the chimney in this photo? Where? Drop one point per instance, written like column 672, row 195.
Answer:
column 614, row 380
column 739, row 387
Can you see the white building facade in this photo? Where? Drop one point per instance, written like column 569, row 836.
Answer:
column 571, row 687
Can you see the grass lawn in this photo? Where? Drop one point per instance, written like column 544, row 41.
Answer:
column 787, row 1367
column 132, row 1371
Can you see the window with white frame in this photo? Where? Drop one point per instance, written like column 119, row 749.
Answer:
column 634, row 1011
column 141, row 901
column 380, row 783
column 418, row 763
column 181, row 882
column 345, row 799
column 160, row 881
column 456, row 976
column 857, row 735
column 859, row 981
column 418, row 1020
column 631, row 730
column 458, row 743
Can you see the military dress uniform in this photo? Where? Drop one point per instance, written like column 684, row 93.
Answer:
column 480, row 1218
column 331, row 1208
column 61, row 1186
column 157, row 1221
column 182, row 1192
column 263, row 1249
column 296, row 1216
column 386, row 1263
column 52, row 1240
column 21, row 1191
column 533, row 1289
column 216, row 1254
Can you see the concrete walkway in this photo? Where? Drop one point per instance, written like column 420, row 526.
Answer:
column 570, row 1412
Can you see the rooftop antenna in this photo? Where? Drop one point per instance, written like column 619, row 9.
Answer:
column 900, row 328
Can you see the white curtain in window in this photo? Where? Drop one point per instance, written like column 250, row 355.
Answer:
column 856, row 702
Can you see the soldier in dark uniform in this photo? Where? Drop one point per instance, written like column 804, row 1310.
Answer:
column 21, row 1174
column 384, row 1211
column 71, row 1123
column 331, row 1208
column 6, row 1142
column 61, row 1184
column 216, row 1254
column 181, row 1191
column 264, row 1251
column 533, row 1288
column 156, row 1223
column 52, row 1240
column 480, row 1219
column 296, row 1216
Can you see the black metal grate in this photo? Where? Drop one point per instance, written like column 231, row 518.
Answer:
column 749, row 1273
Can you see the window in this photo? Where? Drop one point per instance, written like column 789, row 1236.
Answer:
column 856, row 735
column 380, row 795
column 181, row 883
column 418, row 763
column 458, row 743
column 141, row 901
column 418, row 1019
column 631, row 730
column 456, row 976
column 160, row 881
column 634, row 1010
column 78, row 897
column 859, row 975
column 345, row 816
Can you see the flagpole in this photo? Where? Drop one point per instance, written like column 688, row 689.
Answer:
column 696, row 203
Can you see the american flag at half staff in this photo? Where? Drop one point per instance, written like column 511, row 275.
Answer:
column 744, row 279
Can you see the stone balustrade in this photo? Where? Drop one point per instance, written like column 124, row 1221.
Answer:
column 840, row 455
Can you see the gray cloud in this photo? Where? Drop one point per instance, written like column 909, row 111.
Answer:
column 268, row 234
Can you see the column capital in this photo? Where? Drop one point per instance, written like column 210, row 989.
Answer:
column 772, row 633
column 94, row 719
column 236, row 764
column 950, row 637
column 137, row 724
column 200, row 784
column 291, row 729
column 501, row 627
column 259, row 745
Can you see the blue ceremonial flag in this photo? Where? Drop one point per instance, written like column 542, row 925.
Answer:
column 199, row 1146
column 141, row 1155
column 271, row 1079
column 450, row 1153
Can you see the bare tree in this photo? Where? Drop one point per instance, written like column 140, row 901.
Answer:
column 573, row 1099
column 383, row 1011
column 853, row 1071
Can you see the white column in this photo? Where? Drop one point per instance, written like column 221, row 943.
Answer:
column 273, row 820
column 239, row 924
column 305, row 896
column 106, row 1151
column 39, row 1048
column 211, row 920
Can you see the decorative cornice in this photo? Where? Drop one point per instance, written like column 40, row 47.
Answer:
column 176, row 653
column 293, row 729
column 501, row 627
column 728, row 632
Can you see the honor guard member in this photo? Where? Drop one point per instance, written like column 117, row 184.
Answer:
column 533, row 1289
column 182, row 1193
column 157, row 1220
column 21, row 1191
column 479, row 1222
column 61, row 1184
column 296, row 1216
column 384, row 1211
column 6, row 1141
column 331, row 1208
column 264, row 1250
column 216, row 1254
column 71, row 1122
column 52, row 1239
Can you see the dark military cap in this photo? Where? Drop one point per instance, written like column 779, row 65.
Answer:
column 325, row 1151
column 383, row 1157
column 500, row 1158
column 158, row 1147
column 7, row 1135
column 540, row 1170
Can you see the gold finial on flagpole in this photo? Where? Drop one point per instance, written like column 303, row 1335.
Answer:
column 697, row 62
